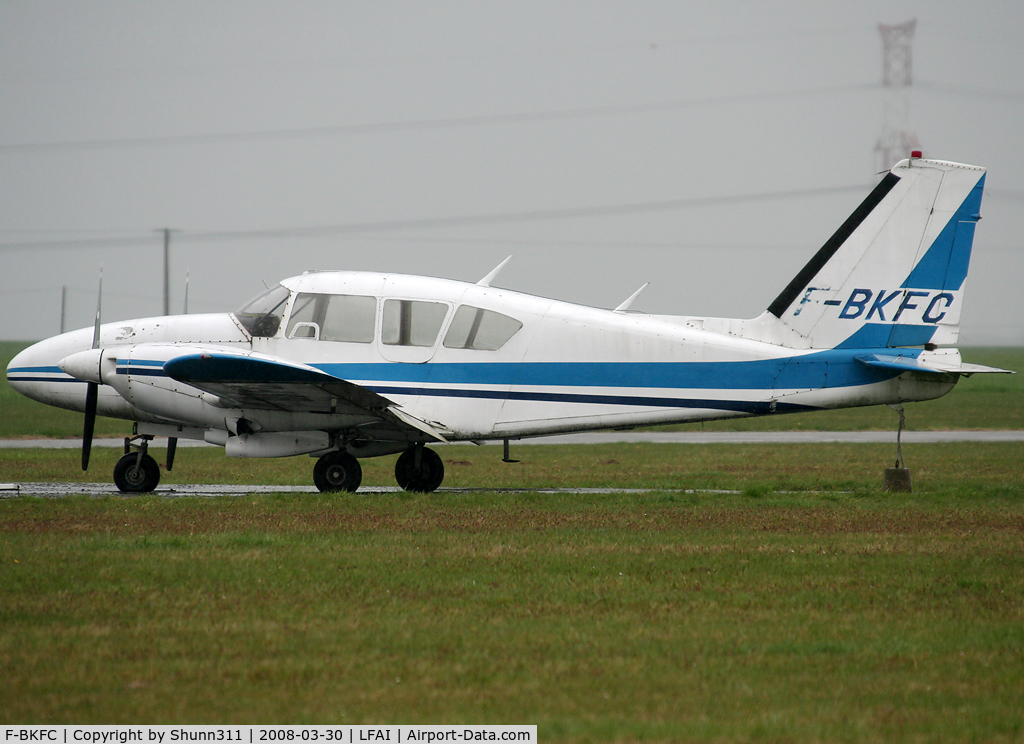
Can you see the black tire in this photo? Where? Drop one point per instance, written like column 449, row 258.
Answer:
column 337, row 471
column 422, row 478
column 134, row 476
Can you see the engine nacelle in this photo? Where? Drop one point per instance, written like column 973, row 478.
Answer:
column 277, row 444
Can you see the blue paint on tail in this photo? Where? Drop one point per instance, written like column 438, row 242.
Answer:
column 945, row 264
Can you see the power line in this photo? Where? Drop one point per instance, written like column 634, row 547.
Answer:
column 66, row 243
column 1005, row 193
column 970, row 91
column 424, row 124
column 458, row 221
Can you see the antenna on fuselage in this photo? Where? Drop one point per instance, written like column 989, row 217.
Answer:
column 63, row 305
column 625, row 305
column 184, row 307
column 486, row 281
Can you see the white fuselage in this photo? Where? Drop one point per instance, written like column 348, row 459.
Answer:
column 565, row 368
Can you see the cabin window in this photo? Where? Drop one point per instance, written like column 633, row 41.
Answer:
column 333, row 317
column 349, row 318
column 476, row 328
column 262, row 316
column 412, row 322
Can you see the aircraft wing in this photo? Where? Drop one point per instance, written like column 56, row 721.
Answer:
column 247, row 381
column 935, row 367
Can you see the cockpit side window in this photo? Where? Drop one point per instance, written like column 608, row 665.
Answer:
column 476, row 328
column 262, row 315
column 333, row 317
column 302, row 323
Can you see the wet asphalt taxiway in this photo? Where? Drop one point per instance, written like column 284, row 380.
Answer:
column 57, row 490
column 178, row 490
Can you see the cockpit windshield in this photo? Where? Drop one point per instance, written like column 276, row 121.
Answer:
column 262, row 316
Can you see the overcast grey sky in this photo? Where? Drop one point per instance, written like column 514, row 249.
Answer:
column 709, row 148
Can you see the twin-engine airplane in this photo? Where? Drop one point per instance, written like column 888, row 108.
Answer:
column 342, row 365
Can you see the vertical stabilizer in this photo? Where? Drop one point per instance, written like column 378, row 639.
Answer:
column 893, row 274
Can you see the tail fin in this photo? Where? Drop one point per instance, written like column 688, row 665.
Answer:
column 893, row 274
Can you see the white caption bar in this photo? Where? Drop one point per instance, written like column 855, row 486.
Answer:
column 263, row 734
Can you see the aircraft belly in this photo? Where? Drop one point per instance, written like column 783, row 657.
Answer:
column 620, row 420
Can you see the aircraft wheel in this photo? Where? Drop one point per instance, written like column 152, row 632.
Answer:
column 337, row 471
column 134, row 476
column 419, row 469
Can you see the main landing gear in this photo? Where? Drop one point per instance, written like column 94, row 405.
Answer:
column 337, row 471
column 418, row 469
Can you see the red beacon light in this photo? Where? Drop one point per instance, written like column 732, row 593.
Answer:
column 916, row 154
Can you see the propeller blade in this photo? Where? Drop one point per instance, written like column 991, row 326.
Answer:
column 92, row 389
column 91, row 393
column 99, row 303
column 172, row 447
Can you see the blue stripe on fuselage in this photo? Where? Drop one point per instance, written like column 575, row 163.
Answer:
column 832, row 368
column 43, row 379
column 53, row 369
column 30, row 374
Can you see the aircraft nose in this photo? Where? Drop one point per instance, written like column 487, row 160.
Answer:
column 34, row 373
column 24, row 368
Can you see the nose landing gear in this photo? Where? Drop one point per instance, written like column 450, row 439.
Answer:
column 136, row 472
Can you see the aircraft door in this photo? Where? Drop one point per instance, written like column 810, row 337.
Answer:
column 410, row 330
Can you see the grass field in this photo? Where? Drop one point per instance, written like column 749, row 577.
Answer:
column 665, row 617
column 757, row 593
column 826, row 612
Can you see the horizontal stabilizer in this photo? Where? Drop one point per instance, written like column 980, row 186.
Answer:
column 935, row 367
